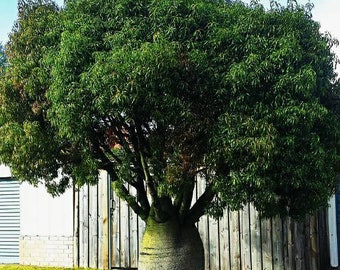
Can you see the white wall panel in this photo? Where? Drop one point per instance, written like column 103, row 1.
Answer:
column 43, row 215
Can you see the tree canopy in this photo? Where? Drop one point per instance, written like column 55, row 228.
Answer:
column 160, row 92
column 3, row 58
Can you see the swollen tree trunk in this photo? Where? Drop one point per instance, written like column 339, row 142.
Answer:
column 171, row 246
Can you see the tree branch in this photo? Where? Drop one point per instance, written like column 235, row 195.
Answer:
column 201, row 204
column 186, row 197
column 131, row 200
column 148, row 179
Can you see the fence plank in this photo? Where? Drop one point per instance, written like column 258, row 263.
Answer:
column 93, row 227
column 115, row 232
column 238, row 240
column 124, row 233
column 203, row 225
column 134, row 237
column 256, row 250
column 299, row 246
column 278, row 260
column 314, row 243
column 245, row 238
column 307, row 248
column 103, row 218
column 204, row 232
column 266, row 242
column 235, row 240
column 288, row 244
column 214, row 244
column 225, row 241
column 84, row 227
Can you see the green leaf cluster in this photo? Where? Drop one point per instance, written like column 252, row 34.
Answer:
column 159, row 92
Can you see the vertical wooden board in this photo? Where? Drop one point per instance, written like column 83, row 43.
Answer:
column 198, row 190
column 225, row 241
column 214, row 254
column 245, row 238
column 266, row 237
column 93, row 227
column 255, row 238
column 305, row 244
column 133, row 235
column 288, row 244
column 76, row 227
column 103, row 221
column 124, row 234
column 134, row 239
column 313, row 243
column 84, row 227
column 277, row 244
column 235, row 241
column 203, row 228
column 115, row 231
column 203, row 225
column 81, row 227
column 299, row 245
column 307, row 249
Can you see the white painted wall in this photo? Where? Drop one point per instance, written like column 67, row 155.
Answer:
column 43, row 215
column 5, row 171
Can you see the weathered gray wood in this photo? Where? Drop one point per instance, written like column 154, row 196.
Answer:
column 103, row 218
column 203, row 224
column 277, row 231
column 124, row 233
column 84, row 227
column 214, row 249
column 255, row 228
column 115, row 232
column 93, row 226
column 134, row 237
column 313, row 243
column 235, row 241
column 225, row 241
column 288, row 244
column 299, row 246
column 239, row 240
column 245, row 238
column 266, row 239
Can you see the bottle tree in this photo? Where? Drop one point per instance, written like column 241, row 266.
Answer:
column 162, row 94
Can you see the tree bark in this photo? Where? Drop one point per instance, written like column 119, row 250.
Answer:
column 171, row 246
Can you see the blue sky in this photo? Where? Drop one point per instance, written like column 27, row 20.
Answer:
column 327, row 12
column 8, row 14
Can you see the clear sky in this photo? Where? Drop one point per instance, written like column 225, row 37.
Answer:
column 8, row 15
column 327, row 12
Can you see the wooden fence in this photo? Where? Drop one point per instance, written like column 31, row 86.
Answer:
column 241, row 240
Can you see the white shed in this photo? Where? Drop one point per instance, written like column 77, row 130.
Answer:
column 35, row 228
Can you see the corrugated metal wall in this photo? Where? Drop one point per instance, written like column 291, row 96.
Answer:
column 9, row 220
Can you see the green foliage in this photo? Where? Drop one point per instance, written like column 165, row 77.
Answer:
column 3, row 58
column 158, row 92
